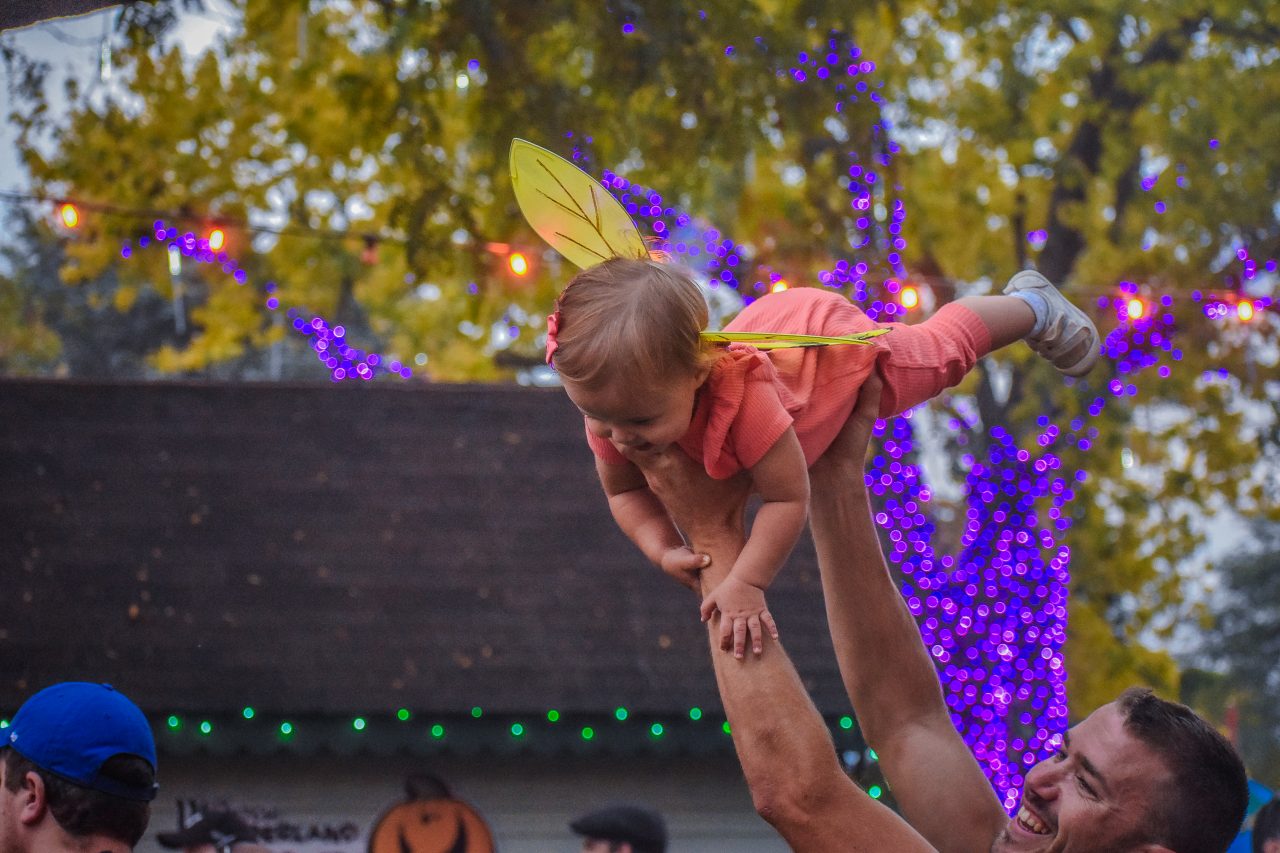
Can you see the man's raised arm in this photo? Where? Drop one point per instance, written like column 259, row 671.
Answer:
column 888, row 673
column 783, row 744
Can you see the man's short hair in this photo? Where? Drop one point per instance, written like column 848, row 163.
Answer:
column 82, row 811
column 1266, row 825
column 1203, row 808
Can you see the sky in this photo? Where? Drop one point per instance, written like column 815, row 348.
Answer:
column 73, row 47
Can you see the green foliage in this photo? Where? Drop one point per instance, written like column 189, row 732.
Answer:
column 369, row 118
column 1047, row 117
column 394, row 121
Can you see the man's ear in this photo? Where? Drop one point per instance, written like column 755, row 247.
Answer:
column 31, row 798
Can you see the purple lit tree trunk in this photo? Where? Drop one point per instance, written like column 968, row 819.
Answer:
column 993, row 616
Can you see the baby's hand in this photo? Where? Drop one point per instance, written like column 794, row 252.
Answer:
column 743, row 614
column 683, row 565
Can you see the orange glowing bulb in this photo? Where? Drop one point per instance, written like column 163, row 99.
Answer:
column 70, row 216
column 217, row 239
column 519, row 263
column 780, row 285
column 1135, row 309
column 1245, row 310
column 910, row 298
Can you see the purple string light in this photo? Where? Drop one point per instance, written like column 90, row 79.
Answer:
column 327, row 342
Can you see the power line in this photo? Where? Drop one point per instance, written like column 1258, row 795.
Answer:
column 70, row 40
column 209, row 219
column 372, row 238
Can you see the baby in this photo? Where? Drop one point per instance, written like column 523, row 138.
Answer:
column 626, row 340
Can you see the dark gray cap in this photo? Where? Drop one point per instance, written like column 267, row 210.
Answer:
column 643, row 829
column 220, row 828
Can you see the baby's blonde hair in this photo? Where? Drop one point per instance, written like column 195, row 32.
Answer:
column 631, row 320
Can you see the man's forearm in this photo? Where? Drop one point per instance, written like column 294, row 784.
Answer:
column 888, row 673
column 782, row 741
column 786, row 752
column 885, row 667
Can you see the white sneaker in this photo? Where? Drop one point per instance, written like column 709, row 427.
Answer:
column 1069, row 341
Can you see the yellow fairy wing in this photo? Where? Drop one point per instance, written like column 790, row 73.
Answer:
column 771, row 340
column 570, row 209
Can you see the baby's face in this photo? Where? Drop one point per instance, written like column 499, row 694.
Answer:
column 638, row 419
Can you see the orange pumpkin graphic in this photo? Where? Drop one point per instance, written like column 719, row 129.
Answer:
column 430, row 821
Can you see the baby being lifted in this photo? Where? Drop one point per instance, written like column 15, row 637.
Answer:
column 626, row 339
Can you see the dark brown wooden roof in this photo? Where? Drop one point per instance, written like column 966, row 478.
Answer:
column 328, row 550
column 21, row 13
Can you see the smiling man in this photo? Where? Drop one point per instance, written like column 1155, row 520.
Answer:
column 1138, row 775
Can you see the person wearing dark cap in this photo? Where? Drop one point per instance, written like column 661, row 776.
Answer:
column 214, row 832
column 77, row 772
column 622, row 829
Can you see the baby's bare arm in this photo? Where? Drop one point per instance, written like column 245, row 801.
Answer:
column 782, row 481
column 637, row 510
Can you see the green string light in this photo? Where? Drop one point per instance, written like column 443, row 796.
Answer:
column 871, row 753
column 876, row 792
column 4, row 724
column 656, row 730
column 846, row 723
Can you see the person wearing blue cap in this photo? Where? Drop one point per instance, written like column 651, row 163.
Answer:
column 622, row 829
column 77, row 772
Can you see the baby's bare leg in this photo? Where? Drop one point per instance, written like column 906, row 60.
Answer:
column 1007, row 318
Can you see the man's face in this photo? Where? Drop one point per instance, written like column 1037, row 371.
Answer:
column 8, row 818
column 596, row 845
column 1095, row 794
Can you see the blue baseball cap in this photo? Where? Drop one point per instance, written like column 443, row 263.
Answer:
column 71, row 729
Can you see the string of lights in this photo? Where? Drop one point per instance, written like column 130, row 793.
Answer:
column 71, row 207
column 908, row 287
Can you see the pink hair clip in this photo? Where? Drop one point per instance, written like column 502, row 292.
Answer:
column 553, row 329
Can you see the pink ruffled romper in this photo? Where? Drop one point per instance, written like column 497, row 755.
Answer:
column 751, row 397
